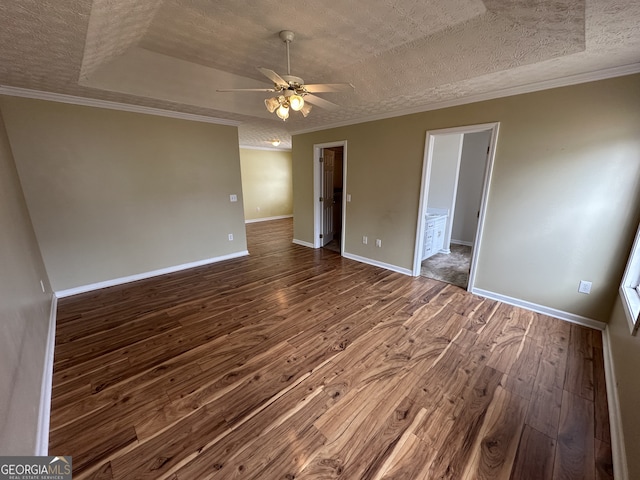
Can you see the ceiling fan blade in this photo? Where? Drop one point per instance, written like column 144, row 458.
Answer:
column 321, row 102
column 274, row 77
column 246, row 90
column 329, row 87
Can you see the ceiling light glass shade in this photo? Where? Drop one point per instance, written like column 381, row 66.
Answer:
column 296, row 102
column 275, row 142
column 271, row 104
column 305, row 110
column 283, row 112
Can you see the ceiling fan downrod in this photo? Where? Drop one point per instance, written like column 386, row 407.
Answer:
column 287, row 37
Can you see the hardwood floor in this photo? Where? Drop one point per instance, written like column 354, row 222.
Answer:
column 297, row 363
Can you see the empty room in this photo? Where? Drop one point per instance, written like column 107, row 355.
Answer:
column 216, row 219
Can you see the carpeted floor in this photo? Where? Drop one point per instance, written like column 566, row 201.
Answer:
column 333, row 245
column 452, row 268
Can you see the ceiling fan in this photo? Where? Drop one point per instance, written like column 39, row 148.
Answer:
column 291, row 91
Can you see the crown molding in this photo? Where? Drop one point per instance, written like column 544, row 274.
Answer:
column 272, row 149
column 506, row 92
column 125, row 107
column 481, row 97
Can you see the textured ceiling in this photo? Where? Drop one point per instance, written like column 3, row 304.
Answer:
column 399, row 54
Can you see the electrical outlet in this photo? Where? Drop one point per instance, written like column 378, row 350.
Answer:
column 365, row 240
column 378, row 242
column 233, row 198
column 585, row 287
column 231, row 237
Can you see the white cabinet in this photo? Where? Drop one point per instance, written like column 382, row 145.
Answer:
column 435, row 226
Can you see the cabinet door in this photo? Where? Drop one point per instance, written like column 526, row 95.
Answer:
column 427, row 246
column 438, row 235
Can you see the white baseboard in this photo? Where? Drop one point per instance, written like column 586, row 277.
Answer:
column 534, row 307
column 142, row 276
column 303, row 243
column 376, row 263
column 266, row 219
column 462, row 242
column 44, row 413
column 618, row 451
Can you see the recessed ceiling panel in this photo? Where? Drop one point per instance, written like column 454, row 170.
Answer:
column 235, row 35
column 153, row 75
column 113, row 28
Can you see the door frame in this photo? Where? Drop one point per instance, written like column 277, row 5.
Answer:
column 494, row 127
column 317, row 191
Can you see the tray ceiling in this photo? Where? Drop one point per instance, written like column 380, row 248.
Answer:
column 403, row 54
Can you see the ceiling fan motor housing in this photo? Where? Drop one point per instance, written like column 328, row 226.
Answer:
column 296, row 84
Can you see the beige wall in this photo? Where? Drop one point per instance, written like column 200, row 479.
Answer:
column 113, row 194
column 266, row 183
column 625, row 352
column 24, row 314
column 564, row 201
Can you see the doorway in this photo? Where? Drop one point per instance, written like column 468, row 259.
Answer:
column 330, row 167
column 455, row 184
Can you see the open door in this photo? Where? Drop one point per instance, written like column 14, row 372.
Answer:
column 329, row 192
column 328, row 164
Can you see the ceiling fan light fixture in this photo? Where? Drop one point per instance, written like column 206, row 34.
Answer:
column 305, row 110
column 290, row 90
column 271, row 104
column 283, row 111
column 296, row 102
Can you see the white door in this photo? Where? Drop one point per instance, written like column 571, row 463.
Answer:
column 328, row 160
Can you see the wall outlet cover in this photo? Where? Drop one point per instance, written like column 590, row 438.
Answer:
column 585, row 287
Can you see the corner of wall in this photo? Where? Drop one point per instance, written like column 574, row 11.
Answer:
column 618, row 449
column 44, row 414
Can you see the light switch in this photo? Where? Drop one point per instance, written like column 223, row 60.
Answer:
column 233, row 197
column 348, row 197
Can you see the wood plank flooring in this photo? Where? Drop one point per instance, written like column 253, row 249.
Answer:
column 296, row 363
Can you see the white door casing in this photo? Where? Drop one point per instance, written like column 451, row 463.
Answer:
column 424, row 191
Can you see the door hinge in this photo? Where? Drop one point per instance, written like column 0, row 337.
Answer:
column 488, row 149
column 320, row 235
column 321, row 159
column 321, row 199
